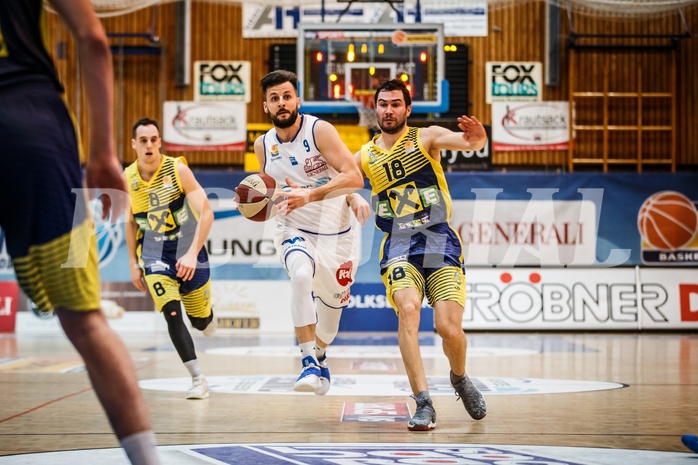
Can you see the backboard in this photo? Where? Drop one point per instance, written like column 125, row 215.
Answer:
column 341, row 64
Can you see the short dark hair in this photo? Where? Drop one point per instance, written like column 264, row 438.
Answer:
column 394, row 84
column 144, row 122
column 278, row 77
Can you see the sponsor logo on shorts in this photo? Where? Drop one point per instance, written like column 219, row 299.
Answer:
column 293, row 240
column 344, row 273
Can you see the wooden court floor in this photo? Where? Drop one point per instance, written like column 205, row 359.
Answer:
column 48, row 405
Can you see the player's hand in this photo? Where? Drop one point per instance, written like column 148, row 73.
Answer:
column 186, row 266
column 137, row 278
column 105, row 179
column 360, row 207
column 473, row 130
column 297, row 197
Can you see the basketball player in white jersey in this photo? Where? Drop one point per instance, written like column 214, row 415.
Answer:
column 314, row 238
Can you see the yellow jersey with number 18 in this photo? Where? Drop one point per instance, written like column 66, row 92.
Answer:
column 409, row 189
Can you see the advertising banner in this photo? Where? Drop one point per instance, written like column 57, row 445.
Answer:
column 581, row 299
column 219, row 81
column 588, row 245
column 630, row 213
column 9, row 293
column 244, row 304
column 204, row 126
column 530, row 126
column 504, row 219
column 265, row 21
column 513, row 81
column 540, row 231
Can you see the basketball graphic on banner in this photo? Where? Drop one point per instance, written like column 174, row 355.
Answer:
column 668, row 220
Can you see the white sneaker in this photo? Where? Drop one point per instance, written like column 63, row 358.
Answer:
column 210, row 330
column 198, row 389
column 309, row 379
column 324, row 378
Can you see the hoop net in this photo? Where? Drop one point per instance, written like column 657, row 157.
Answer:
column 597, row 8
column 367, row 112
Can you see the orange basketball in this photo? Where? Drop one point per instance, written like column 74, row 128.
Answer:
column 667, row 220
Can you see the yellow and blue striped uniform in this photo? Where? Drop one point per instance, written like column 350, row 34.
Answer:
column 412, row 205
column 409, row 186
column 166, row 228
column 48, row 229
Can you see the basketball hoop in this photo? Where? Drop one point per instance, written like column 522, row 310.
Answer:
column 367, row 112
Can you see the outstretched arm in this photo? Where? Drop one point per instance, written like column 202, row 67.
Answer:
column 472, row 136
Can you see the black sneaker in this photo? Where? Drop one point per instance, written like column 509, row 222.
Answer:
column 424, row 418
column 472, row 398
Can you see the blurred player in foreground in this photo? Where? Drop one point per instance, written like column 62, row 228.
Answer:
column 49, row 232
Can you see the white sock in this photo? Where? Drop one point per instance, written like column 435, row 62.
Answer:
column 193, row 367
column 141, row 448
column 308, row 349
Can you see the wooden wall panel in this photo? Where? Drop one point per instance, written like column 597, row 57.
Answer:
column 516, row 33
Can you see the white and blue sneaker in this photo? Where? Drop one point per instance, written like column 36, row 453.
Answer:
column 324, row 377
column 309, row 379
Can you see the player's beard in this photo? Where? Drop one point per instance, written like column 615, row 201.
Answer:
column 285, row 123
column 399, row 126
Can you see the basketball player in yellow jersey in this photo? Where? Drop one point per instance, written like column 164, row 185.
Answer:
column 168, row 224
column 421, row 254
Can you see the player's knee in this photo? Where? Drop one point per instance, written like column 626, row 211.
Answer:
column 300, row 268
column 409, row 308
column 327, row 322
column 171, row 310
column 409, row 314
column 200, row 323
column 447, row 330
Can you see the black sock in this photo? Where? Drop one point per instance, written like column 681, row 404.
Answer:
column 455, row 379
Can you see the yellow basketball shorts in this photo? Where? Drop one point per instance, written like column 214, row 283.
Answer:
column 62, row 273
column 429, row 260
column 47, row 225
column 164, row 289
column 447, row 283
